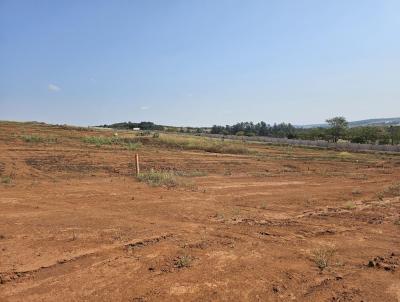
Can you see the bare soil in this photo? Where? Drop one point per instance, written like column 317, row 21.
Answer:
column 76, row 225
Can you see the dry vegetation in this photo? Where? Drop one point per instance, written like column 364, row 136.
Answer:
column 201, row 143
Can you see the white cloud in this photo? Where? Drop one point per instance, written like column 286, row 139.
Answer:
column 144, row 108
column 53, row 87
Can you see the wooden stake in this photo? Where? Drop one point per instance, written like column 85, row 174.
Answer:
column 137, row 164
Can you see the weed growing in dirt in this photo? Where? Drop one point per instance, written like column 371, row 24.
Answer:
column 38, row 139
column 99, row 140
column 183, row 261
column 391, row 191
column 133, row 146
column 323, row 256
column 350, row 205
column 190, row 173
column 6, row 180
column 158, row 178
column 397, row 222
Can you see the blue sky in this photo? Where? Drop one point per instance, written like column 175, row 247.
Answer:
column 204, row 62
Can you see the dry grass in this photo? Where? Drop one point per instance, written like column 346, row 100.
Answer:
column 158, row 178
column 201, row 143
column 38, row 139
column 183, row 261
column 350, row 205
column 391, row 191
column 323, row 256
column 6, row 180
column 190, row 173
column 128, row 143
column 167, row 179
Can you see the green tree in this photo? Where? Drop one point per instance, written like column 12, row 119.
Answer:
column 337, row 127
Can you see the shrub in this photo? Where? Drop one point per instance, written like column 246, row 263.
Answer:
column 158, row 178
column 6, row 180
column 322, row 256
column 350, row 205
column 183, row 261
column 391, row 191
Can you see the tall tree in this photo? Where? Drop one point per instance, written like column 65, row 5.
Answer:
column 338, row 126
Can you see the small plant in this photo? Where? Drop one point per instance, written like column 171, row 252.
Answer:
column 158, row 178
column 220, row 216
column 391, row 191
column 397, row 222
column 190, row 173
column 350, row 205
column 133, row 146
column 356, row 192
column 323, row 256
column 183, row 261
column 6, row 180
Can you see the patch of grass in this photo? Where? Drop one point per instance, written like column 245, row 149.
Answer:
column 128, row 143
column 263, row 206
column 133, row 146
column 190, row 173
column 158, row 178
column 203, row 144
column 391, row 191
column 183, row 261
column 99, row 140
column 350, row 205
column 323, row 256
column 6, row 180
column 38, row 139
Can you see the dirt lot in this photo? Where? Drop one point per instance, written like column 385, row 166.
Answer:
column 278, row 224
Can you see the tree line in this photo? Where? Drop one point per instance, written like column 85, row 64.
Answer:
column 337, row 129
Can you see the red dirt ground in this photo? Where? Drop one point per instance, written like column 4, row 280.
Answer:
column 76, row 225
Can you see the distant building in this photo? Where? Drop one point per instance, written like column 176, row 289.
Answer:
column 136, row 129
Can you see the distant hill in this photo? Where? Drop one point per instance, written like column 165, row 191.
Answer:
column 395, row 121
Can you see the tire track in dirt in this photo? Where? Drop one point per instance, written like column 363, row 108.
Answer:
column 89, row 255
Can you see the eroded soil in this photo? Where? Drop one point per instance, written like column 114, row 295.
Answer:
column 75, row 224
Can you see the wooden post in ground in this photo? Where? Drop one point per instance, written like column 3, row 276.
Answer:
column 137, row 164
